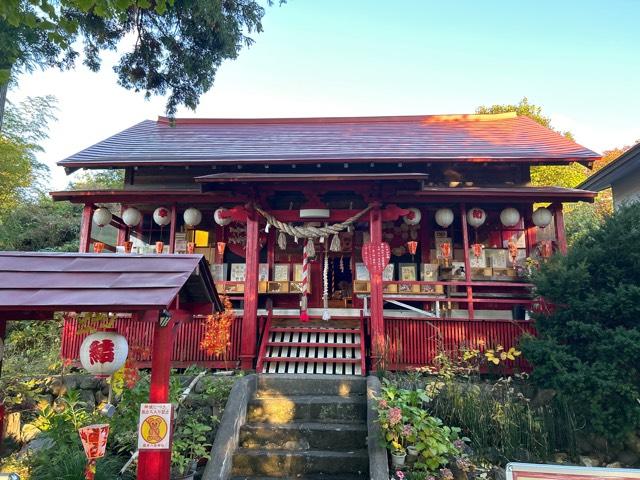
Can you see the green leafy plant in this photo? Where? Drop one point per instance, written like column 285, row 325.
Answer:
column 69, row 464
column 189, row 445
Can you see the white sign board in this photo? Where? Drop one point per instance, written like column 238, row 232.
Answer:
column 534, row 471
column 154, row 429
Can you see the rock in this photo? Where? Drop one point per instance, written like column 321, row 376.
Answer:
column 71, row 382
column 201, row 386
column 583, row 445
column 29, row 432
column 46, row 399
column 89, row 383
column 560, row 457
column 37, row 444
column 498, row 473
column 59, row 405
column 589, row 461
column 633, row 442
column 100, row 397
column 543, row 397
column 600, row 444
column 57, row 387
column 88, row 398
column 105, row 390
column 614, row 465
column 629, row 458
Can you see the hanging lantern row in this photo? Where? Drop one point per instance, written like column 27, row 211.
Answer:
column 509, row 217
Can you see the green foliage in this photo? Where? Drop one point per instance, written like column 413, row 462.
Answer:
column 588, row 348
column 178, row 44
column 69, row 464
column 501, row 423
column 189, row 445
column 98, row 180
column 32, row 348
column 405, row 421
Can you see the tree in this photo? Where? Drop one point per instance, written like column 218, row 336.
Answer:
column 177, row 45
column 588, row 347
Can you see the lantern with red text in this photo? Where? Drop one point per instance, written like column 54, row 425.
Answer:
column 103, row 353
column 412, row 246
column 413, row 217
column 476, row 217
column 162, row 216
column 94, row 442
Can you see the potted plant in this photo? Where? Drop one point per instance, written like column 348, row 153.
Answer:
column 189, row 446
column 398, row 457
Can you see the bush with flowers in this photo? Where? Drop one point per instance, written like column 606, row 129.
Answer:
column 405, row 421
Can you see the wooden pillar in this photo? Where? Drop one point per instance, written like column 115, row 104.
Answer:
column 531, row 231
column 85, row 228
column 156, row 465
column 377, row 303
column 467, row 261
column 172, row 229
column 123, row 231
column 250, row 310
column 558, row 222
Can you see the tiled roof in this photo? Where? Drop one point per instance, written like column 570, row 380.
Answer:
column 95, row 282
column 503, row 137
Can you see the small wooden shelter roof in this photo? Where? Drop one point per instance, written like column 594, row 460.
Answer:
column 626, row 164
column 51, row 282
column 438, row 138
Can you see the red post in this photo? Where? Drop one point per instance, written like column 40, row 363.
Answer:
column 532, row 234
column 3, row 330
column 377, row 303
column 250, row 309
column 172, row 230
column 85, row 229
column 558, row 222
column 123, row 231
column 467, row 261
column 154, row 465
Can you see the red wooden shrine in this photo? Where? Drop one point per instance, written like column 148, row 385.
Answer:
column 464, row 285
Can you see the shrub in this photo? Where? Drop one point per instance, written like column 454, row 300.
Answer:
column 588, row 346
column 69, row 464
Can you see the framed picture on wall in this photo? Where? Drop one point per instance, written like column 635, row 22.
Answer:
column 219, row 272
column 387, row 273
column 478, row 262
column 361, row 272
column 238, row 272
column 263, row 272
column 458, row 271
column 497, row 257
column 444, row 248
column 281, row 272
column 408, row 272
column 429, row 272
column 297, row 272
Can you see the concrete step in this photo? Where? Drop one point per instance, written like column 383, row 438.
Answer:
column 290, row 464
column 303, row 384
column 309, row 408
column 320, row 476
column 304, row 436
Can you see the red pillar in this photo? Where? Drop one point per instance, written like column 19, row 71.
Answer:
column 154, row 465
column 376, row 304
column 172, row 230
column 467, row 261
column 3, row 330
column 558, row 222
column 250, row 310
column 85, row 229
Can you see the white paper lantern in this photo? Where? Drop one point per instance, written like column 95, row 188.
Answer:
column 218, row 219
column 103, row 353
column 476, row 217
column 162, row 216
column 444, row 217
column 192, row 217
column 413, row 218
column 542, row 217
column 509, row 217
column 102, row 216
column 131, row 217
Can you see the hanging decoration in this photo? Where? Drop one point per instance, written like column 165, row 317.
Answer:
column 131, row 217
column 219, row 219
column 98, row 247
column 307, row 231
column 412, row 246
column 304, row 315
column 192, row 217
column 325, row 292
column 512, row 246
column 310, row 248
column 162, row 216
column 94, row 442
column 476, row 217
column 217, row 330
column 542, row 217
column 335, row 243
column 102, row 216
column 509, row 217
column 477, row 250
column 220, row 248
column 444, row 217
column 103, row 353
column 282, row 241
column 413, row 217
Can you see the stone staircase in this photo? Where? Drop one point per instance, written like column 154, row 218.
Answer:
column 333, row 347
column 304, row 427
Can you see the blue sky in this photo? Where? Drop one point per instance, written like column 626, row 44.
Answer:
column 579, row 60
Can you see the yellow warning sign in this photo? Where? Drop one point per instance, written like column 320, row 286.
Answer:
column 155, row 426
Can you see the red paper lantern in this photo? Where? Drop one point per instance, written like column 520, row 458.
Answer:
column 220, row 247
column 103, row 353
column 412, row 246
column 477, row 249
column 94, row 440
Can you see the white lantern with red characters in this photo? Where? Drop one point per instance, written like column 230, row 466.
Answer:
column 509, row 217
column 444, row 217
column 219, row 219
column 131, row 217
column 413, row 217
column 476, row 217
column 102, row 216
column 103, row 353
column 162, row 216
